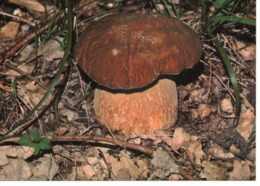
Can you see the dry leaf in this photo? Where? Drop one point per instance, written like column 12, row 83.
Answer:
column 88, row 171
column 45, row 168
column 17, row 169
column 252, row 155
column 246, row 123
column 158, row 136
column 92, row 160
column 241, row 171
column 212, row 171
column 180, row 139
column 52, row 49
column 3, row 158
column 162, row 160
column 195, row 152
column 226, row 106
column 248, row 52
column 204, row 110
column 24, row 152
column 32, row 86
column 10, row 30
column 197, row 95
column 30, row 4
column 71, row 115
column 218, row 152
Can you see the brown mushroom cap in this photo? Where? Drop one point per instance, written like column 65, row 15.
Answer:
column 127, row 51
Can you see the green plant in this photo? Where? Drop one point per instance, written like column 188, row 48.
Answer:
column 227, row 13
column 36, row 141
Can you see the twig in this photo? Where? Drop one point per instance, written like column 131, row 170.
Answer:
column 16, row 18
column 95, row 139
column 186, row 175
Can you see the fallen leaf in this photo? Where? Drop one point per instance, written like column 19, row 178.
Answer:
column 180, row 139
column 212, row 171
column 248, row 52
column 252, row 155
column 30, row 4
column 198, row 95
column 219, row 152
column 195, row 152
column 52, row 49
column 92, row 160
column 3, row 158
column 246, row 123
column 226, row 106
column 45, row 168
column 204, row 110
column 162, row 160
column 17, row 169
column 158, row 136
column 241, row 171
column 10, row 30
column 88, row 171
column 24, row 152
column 71, row 115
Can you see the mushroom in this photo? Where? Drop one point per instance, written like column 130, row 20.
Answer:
column 126, row 55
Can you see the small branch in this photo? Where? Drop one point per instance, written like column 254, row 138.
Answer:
column 95, row 139
column 16, row 18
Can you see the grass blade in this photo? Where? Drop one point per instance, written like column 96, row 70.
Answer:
column 59, row 72
column 230, row 71
column 235, row 19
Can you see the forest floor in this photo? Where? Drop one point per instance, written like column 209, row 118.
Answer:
column 204, row 144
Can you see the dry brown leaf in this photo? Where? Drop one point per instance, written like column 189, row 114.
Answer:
column 92, row 160
column 246, row 123
column 204, row 110
column 3, row 158
column 88, row 171
column 212, row 171
column 162, row 160
column 195, row 152
column 16, row 170
column 157, row 136
column 198, row 95
column 52, row 49
column 252, row 155
column 124, row 167
column 45, row 168
column 218, row 152
column 61, row 130
column 32, row 86
column 226, row 106
column 30, row 4
column 33, row 98
column 241, row 171
column 10, row 30
column 194, row 113
column 86, row 7
column 4, row 87
column 24, row 152
column 248, row 52
column 180, row 139
column 71, row 115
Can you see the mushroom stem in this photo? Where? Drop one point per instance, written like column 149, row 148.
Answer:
column 138, row 112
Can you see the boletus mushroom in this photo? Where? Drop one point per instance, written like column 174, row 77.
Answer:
column 125, row 54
